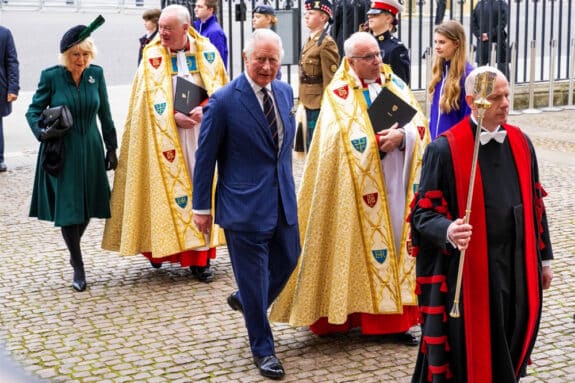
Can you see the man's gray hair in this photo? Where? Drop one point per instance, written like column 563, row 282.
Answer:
column 263, row 34
column 351, row 42
column 470, row 80
column 179, row 11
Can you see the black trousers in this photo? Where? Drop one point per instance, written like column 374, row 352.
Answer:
column 440, row 11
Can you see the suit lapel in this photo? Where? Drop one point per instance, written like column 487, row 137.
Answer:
column 250, row 101
column 283, row 112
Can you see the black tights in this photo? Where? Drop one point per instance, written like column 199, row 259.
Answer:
column 72, row 235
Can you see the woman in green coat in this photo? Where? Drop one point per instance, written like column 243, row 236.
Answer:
column 79, row 190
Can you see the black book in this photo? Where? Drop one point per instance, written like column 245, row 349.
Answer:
column 387, row 109
column 188, row 95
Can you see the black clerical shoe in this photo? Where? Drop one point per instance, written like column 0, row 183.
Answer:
column 269, row 366
column 3, row 166
column 79, row 285
column 406, row 338
column 156, row 265
column 204, row 274
column 234, row 302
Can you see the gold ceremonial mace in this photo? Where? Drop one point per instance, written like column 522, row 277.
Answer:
column 483, row 86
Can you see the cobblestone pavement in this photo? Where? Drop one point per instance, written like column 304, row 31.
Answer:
column 139, row 324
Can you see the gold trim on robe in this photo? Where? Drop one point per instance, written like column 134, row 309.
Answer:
column 151, row 202
column 349, row 262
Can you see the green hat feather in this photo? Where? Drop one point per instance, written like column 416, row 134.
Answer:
column 79, row 33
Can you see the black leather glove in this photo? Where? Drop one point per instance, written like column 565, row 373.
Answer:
column 111, row 161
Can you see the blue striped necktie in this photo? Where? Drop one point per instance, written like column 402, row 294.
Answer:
column 270, row 114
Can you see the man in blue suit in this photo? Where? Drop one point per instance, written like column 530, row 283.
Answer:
column 9, row 83
column 255, row 199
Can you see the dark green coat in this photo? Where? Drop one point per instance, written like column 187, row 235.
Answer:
column 81, row 190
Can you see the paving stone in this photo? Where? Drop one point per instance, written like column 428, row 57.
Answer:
column 136, row 323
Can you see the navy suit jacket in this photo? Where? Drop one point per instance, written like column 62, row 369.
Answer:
column 9, row 74
column 252, row 177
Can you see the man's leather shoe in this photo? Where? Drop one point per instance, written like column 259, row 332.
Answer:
column 79, row 285
column 406, row 338
column 234, row 302
column 3, row 166
column 204, row 274
column 156, row 265
column 269, row 366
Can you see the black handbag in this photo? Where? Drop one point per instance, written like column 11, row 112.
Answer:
column 55, row 123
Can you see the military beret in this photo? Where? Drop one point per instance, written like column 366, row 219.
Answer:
column 265, row 10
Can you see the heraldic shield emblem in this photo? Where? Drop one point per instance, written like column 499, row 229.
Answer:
column 370, row 199
column 182, row 201
column 380, row 255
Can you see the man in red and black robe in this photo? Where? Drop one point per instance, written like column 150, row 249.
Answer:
column 507, row 256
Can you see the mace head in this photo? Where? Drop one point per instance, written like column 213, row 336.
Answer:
column 483, row 86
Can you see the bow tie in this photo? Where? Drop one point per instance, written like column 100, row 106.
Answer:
column 498, row 136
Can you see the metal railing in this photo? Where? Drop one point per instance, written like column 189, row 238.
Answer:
column 542, row 21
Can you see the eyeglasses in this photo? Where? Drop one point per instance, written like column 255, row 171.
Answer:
column 368, row 58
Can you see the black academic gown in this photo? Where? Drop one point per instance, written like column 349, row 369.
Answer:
column 510, row 287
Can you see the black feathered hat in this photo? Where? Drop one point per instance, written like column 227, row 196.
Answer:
column 79, row 33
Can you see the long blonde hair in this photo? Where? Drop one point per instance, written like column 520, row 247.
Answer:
column 449, row 100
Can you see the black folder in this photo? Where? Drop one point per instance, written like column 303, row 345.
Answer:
column 188, row 95
column 387, row 109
